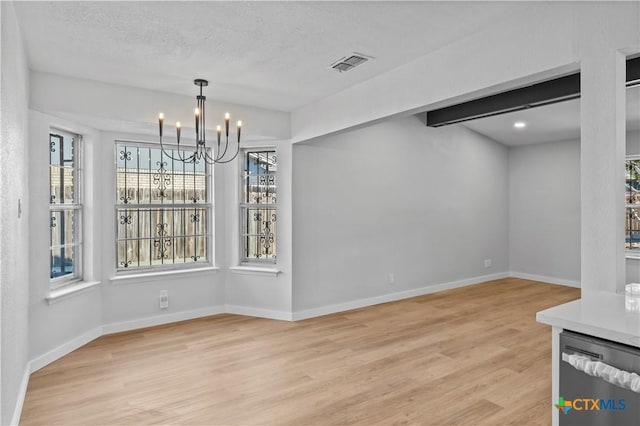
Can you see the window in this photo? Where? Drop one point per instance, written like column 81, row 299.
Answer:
column 65, row 208
column 163, row 209
column 632, row 196
column 258, row 207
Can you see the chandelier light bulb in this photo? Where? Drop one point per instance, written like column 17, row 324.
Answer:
column 227, row 116
column 239, row 123
column 161, row 116
column 197, row 111
column 177, row 124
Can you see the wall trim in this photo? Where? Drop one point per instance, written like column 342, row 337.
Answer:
column 258, row 312
column 62, row 350
column 22, row 393
column 392, row 297
column 545, row 279
column 167, row 318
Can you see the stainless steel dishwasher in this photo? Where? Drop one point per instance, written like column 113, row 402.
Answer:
column 599, row 382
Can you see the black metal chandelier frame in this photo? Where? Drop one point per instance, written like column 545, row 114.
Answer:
column 200, row 153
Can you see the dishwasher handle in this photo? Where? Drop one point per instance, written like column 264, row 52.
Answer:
column 609, row 374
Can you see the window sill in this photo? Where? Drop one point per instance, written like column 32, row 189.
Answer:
column 255, row 270
column 70, row 290
column 635, row 256
column 150, row 276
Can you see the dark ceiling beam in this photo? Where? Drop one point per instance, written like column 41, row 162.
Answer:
column 563, row 88
column 633, row 71
column 544, row 93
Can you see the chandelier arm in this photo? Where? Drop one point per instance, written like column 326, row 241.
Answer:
column 189, row 159
column 208, row 159
column 230, row 159
column 166, row 153
column 226, row 146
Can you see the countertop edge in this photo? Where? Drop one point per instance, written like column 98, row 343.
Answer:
column 588, row 329
column 564, row 316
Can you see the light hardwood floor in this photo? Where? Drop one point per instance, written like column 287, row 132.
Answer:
column 472, row 356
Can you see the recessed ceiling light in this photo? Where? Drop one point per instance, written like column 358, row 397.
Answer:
column 519, row 124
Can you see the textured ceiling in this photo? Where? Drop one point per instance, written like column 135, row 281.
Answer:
column 269, row 54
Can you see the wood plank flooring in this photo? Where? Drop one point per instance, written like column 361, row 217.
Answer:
column 469, row 356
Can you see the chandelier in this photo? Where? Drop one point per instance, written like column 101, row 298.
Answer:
column 201, row 152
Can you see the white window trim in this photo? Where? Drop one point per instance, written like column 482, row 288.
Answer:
column 154, row 275
column 70, row 290
column 78, row 180
column 254, row 270
column 253, row 266
column 135, row 273
column 632, row 254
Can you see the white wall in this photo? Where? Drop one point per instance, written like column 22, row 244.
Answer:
column 428, row 205
column 51, row 325
column 553, row 37
column 14, row 232
column 137, row 298
column 119, row 304
column 129, row 109
column 251, row 293
column 544, row 210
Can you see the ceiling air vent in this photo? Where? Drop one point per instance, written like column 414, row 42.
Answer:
column 349, row 62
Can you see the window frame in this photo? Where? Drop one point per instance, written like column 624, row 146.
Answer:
column 77, row 207
column 243, row 208
column 208, row 206
column 630, row 253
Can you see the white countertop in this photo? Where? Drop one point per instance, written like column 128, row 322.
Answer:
column 600, row 314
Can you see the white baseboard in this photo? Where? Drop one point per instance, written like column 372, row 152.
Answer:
column 391, row 297
column 167, row 318
column 83, row 339
column 258, row 312
column 67, row 347
column 22, row 393
column 545, row 279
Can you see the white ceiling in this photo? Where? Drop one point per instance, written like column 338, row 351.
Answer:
column 274, row 55
column 269, row 54
column 549, row 123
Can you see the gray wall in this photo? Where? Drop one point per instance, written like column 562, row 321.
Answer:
column 544, row 210
column 80, row 313
column 14, row 269
column 428, row 205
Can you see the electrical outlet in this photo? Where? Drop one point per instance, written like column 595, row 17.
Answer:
column 391, row 279
column 487, row 263
column 164, row 299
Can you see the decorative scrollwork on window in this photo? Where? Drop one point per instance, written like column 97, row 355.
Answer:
column 125, row 220
column 125, row 155
column 195, row 217
column 125, row 264
column 267, row 237
column 162, row 179
column 52, row 222
column 52, row 146
column 161, row 229
column 162, row 243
